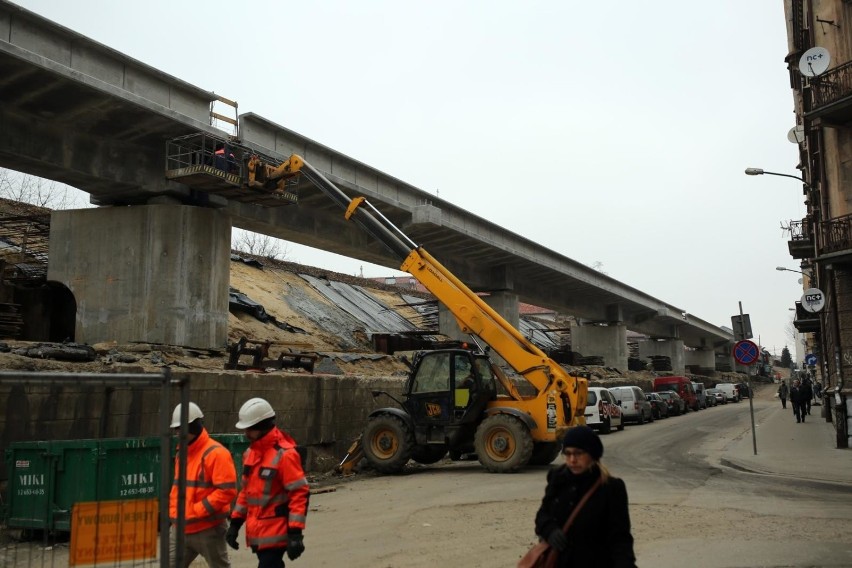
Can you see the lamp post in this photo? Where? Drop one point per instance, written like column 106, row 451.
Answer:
column 782, row 269
column 761, row 172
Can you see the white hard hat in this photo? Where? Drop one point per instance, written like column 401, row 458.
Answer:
column 194, row 414
column 253, row 411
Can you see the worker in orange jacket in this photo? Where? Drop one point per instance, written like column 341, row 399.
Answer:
column 273, row 500
column 211, row 486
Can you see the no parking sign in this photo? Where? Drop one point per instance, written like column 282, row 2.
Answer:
column 746, row 352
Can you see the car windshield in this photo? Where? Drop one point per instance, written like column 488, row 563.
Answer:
column 669, row 387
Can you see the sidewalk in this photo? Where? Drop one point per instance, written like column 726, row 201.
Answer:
column 786, row 448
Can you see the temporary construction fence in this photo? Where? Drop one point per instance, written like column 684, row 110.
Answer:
column 108, row 495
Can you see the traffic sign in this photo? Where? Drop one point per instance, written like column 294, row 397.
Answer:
column 746, row 352
column 810, row 360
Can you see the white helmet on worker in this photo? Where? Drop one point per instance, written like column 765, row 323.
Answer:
column 194, row 414
column 253, row 411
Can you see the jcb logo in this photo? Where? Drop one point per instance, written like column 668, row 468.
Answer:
column 433, row 409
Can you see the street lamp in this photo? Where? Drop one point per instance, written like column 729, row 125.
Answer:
column 782, row 269
column 761, row 171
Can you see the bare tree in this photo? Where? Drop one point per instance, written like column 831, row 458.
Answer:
column 35, row 190
column 791, row 331
column 259, row 245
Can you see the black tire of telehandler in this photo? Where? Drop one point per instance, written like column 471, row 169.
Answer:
column 428, row 454
column 545, row 452
column 389, row 430
column 503, row 444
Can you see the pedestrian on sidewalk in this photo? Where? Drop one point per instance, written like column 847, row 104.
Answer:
column 797, row 398
column 273, row 500
column 783, row 391
column 808, row 394
column 603, row 516
column 818, row 391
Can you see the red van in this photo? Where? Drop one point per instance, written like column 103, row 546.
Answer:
column 681, row 385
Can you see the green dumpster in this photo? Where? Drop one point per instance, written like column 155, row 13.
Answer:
column 29, row 490
column 48, row 478
column 237, row 444
column 103, row 470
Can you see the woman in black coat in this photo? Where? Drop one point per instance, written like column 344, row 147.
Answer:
column 600, row 534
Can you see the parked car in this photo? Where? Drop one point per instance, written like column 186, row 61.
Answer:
column 603, row 411
column 732, row 394
column 681, row 385
column 658, row 405
column 700, row 394
column 743, row 389
column 709, row 399
column 718, row 395
column 677, row 406
column 634, row 406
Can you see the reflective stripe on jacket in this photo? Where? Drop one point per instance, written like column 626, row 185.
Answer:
column 274, row 495
column 211, row 485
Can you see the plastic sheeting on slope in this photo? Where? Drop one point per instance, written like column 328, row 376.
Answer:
column 537, row 333
column 375, row 316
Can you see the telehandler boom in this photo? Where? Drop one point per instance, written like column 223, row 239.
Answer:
column 451, row 397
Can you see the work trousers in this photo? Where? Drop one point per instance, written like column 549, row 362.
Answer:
column 270, row 558
column 799, row 411
column 209, row 544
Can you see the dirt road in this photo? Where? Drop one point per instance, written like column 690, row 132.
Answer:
column 686, row 508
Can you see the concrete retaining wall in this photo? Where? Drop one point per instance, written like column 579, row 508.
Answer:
column 323, row 413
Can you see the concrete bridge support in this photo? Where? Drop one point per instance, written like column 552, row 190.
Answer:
column 607, row 341
column 504, row 303
column 672, row 348
column 147, row 273
column 704, row 359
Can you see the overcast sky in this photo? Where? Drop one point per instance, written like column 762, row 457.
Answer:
column 613, row 133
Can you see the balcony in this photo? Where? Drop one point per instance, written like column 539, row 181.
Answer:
column 831, row 95
column 805, row 321
column 801, row 242
column 837, row 239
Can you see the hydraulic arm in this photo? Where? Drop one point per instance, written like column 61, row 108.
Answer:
column 472, row 313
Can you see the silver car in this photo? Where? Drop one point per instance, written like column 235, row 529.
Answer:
column 634, row 406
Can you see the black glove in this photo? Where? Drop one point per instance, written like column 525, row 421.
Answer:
column 557, row 540
column 233, row 532
column 295, row 544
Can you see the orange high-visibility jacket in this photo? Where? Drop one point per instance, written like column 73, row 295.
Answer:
column 274, row 494
column 211, row 484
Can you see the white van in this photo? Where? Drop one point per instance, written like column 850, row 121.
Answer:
column 730, row 391
column 602, row 411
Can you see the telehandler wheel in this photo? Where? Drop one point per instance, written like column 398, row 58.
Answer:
column 503, row 444
column 388, row 443
column 428, row 454
column 545, row 452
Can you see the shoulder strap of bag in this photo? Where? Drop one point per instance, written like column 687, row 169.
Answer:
column 579, row 506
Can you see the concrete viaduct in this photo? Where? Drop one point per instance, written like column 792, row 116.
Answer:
column 151, row 264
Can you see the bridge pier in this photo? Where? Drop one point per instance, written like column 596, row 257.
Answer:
column 704, row 359
column 504, row 303
column 607, row 341
column 147, row 273
column 672, row 348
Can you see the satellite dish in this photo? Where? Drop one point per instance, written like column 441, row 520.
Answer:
column 796, row 134
column 814, row 62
